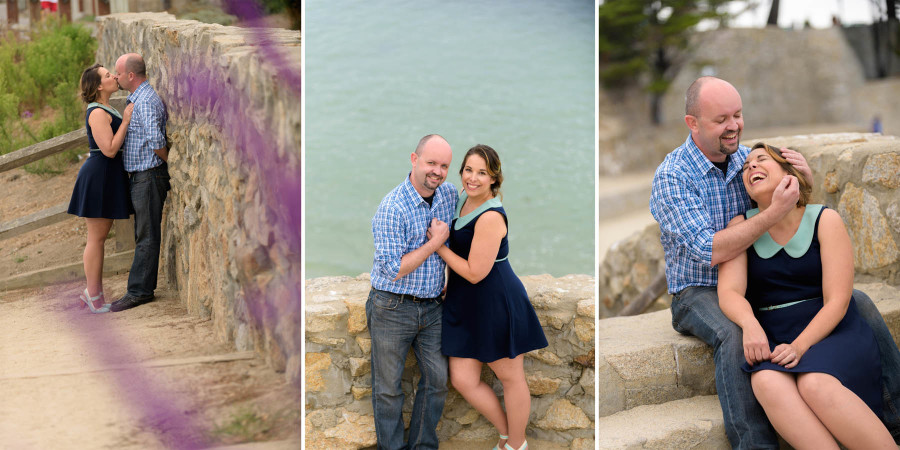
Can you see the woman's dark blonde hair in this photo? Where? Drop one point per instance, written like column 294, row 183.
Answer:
column 492, row 161
column 90, row 81
column 775, row 154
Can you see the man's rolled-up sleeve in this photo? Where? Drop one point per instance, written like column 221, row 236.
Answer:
column 151, row 121
column 682, row 215
column 388, row 230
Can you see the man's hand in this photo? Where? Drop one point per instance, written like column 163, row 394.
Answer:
column 163, row 153
column 799, row 162
column 786, row 194
column 756, row 344
column 438, row 232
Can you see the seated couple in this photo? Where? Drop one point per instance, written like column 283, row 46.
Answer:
column 771, row 289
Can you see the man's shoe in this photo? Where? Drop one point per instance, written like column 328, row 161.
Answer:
column 129, row 301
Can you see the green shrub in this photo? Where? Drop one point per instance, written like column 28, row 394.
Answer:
column 43, row 72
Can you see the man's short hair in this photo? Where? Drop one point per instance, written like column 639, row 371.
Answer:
column 692, row 96
column 135, row 64
column 424, row 141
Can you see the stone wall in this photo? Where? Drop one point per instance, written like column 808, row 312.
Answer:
column 856, row 174
column 785, row 77
column 338, row 379
column 629, row 267
column 231, row 224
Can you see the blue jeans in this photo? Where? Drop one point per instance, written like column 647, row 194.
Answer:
column 695, row 310
column 890, row 361
column 394, row 326
column 149, row 189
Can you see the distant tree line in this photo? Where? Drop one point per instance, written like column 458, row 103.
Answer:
column 642, row 42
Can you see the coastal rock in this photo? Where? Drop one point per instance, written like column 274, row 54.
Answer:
column 538, row 384
column 359, row 366
column 883, row 169
column 873, row 244
column 562, row 416
column 316, row 363
column 356, row 317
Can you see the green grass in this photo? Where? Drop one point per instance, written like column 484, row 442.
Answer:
column 21, row 259
column 245, row 425
column 39, row 77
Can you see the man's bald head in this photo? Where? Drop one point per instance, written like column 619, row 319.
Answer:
column 130, row 71
column 693, row 95
column 426, row 139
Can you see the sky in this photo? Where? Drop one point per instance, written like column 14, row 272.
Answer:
column 793, row 13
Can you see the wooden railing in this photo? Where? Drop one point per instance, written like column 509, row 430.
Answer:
column 124, row 229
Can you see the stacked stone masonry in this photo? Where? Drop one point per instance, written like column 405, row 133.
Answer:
column 231, row 229
column 338, row 379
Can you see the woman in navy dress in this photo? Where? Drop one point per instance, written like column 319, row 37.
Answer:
column 101, row 192
column 487, row 316
column 813, row 361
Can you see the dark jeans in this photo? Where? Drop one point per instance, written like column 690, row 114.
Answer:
column 148, row 194
column 695, row 310
column 395, row 325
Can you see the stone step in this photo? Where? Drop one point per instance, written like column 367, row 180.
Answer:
column 643, row 361
column 694, row 423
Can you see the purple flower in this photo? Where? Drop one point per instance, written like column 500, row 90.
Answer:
column 27, row 115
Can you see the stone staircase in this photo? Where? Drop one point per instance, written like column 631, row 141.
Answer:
column 657, row 387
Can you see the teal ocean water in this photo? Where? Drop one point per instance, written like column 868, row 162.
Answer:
column 515, row 75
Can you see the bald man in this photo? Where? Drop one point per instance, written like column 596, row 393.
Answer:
column 696, row 191
column 404, row 305
column 145, row 158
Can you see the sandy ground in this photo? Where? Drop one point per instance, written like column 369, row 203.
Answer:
column 150, row 377
column 134, row 379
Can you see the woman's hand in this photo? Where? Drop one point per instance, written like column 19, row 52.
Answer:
column 126, row 115
column 787, row 355
column 756, row 344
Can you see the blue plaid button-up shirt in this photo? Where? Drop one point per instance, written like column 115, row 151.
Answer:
column 147, row 130
column 692, row 200
column 399, row 227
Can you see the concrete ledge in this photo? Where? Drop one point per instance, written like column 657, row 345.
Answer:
column 694, row 423
column 643, row 361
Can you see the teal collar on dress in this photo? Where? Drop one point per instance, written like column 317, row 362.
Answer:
column 766, row 247
column 107, row 108
column 463, row 221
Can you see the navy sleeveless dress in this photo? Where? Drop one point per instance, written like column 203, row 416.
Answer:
column 102, row 189
column 784, row 287
column 492, row 319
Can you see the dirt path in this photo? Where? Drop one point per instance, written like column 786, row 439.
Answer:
column 150, row 377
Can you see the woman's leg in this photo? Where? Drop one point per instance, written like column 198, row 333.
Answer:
column 98, row 229
column 843, row 412
column 516, row 396
column 779, row 396
column 465, row 376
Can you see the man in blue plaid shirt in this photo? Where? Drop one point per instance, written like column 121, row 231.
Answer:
column 145, row 158
column 696, row 191
column 404, row 306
